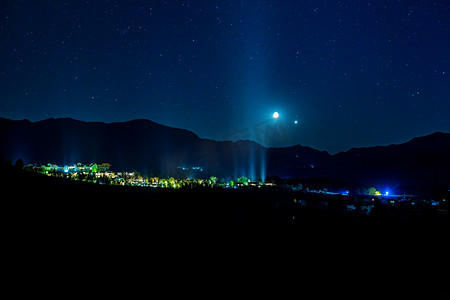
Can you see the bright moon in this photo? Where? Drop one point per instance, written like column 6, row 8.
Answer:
column 275, row 115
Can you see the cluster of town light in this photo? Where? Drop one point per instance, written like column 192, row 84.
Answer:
column 100, row 173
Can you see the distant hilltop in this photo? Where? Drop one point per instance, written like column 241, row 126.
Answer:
column 158, row 150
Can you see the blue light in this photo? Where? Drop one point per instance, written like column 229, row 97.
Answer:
column 387, row 193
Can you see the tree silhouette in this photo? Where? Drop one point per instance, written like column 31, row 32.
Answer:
column 19, row 164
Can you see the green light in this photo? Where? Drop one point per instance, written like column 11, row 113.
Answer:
column 243, row 180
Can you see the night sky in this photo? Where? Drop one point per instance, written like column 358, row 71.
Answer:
column 351, row 73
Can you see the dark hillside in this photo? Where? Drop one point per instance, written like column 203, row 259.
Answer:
column 423, row 162
column 73, row 229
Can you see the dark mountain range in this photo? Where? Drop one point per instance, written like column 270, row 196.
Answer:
column 423, row 159
column 148, row 147
column 159, row 150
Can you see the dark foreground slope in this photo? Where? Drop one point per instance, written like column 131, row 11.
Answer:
column 75, row 229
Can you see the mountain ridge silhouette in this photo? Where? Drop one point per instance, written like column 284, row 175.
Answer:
column 160, row 150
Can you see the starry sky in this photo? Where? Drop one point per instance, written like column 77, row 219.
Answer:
column 341, row 74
